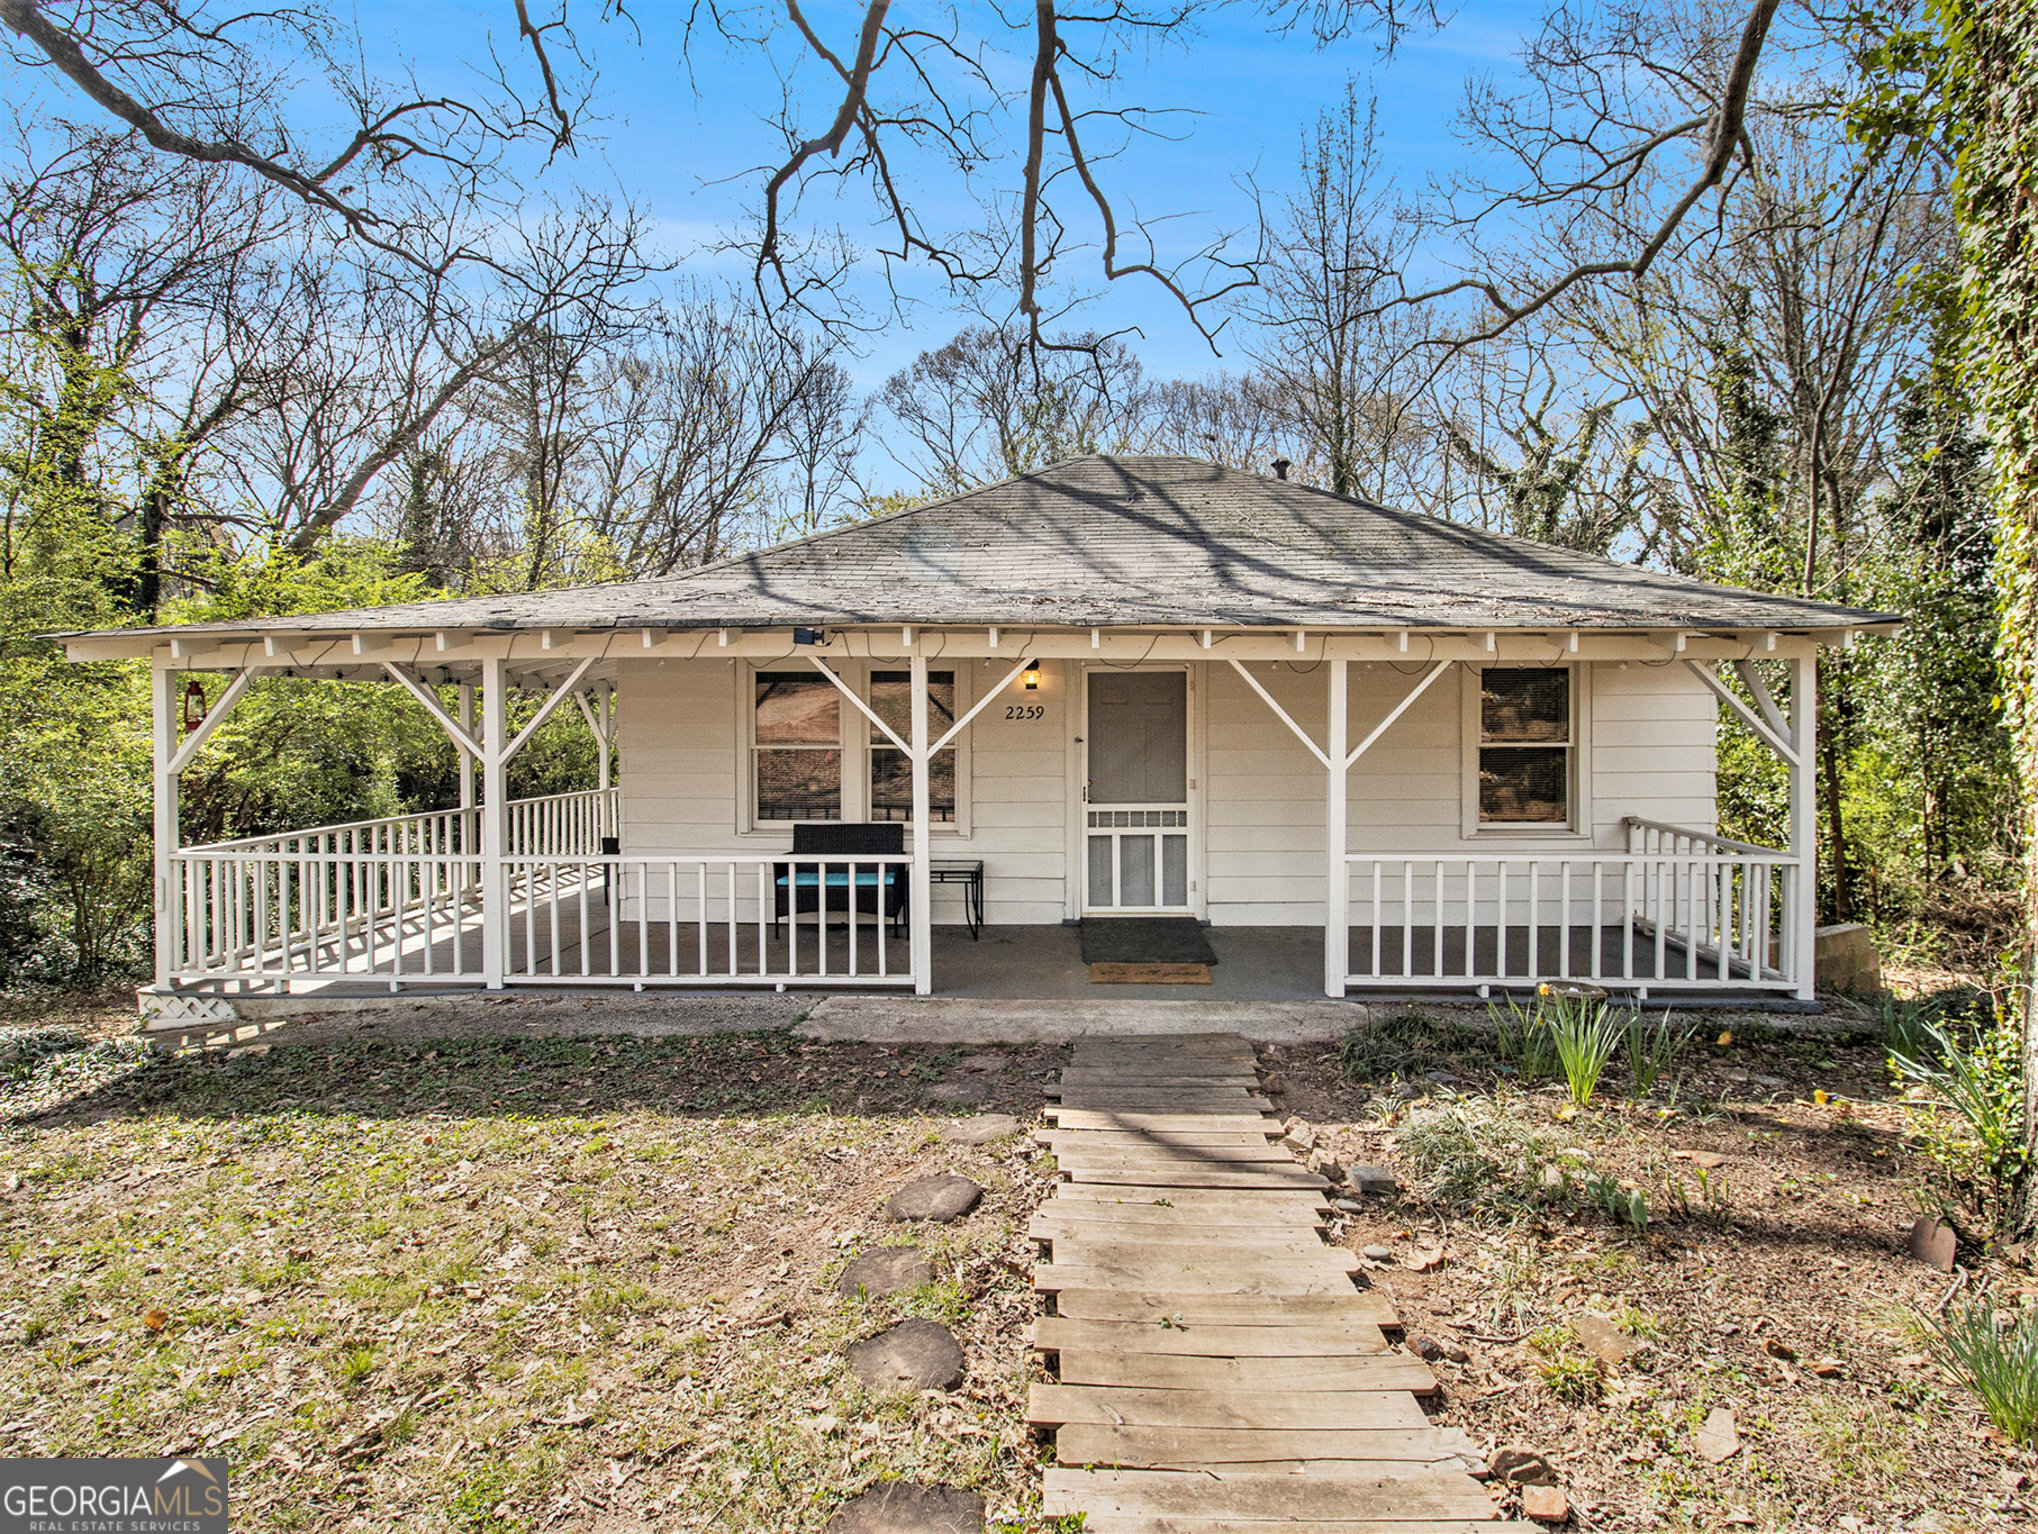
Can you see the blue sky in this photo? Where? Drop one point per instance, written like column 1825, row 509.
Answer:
column 687, row 144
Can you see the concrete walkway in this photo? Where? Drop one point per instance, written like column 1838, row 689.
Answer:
column 1217, row 1370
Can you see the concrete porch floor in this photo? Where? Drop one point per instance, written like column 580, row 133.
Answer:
column 1046, row 964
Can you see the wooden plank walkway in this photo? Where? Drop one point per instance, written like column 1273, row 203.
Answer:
column 1217, row 1369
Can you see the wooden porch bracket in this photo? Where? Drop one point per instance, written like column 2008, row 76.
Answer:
column 564, row 691
column 1322, row 757
column 455, row 731
column 1768, row 726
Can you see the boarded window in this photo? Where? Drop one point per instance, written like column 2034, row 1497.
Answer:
column 798, row 757
column 1525, row 746
column 891, row 773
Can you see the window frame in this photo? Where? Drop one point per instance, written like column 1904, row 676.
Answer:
column 751, row 747
column 1577, row 825
column 853, row 730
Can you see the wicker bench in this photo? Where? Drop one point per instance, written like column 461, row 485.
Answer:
column 880, row 888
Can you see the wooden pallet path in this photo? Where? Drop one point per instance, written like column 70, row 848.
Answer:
column 1217, row 1369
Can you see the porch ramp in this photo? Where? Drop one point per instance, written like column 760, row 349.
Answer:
column 1217, row 1370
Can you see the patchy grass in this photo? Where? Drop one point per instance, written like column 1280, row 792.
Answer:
column 1780, row 1172
column 503, row 1284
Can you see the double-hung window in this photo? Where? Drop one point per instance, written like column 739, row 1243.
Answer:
column 891, row 773
column 1527, row 751
column 796, row 754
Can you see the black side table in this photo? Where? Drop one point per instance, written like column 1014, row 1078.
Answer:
column 969, row 873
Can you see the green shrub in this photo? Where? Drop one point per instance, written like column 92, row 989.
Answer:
column 1652, row 1050
column 1585, row 1032
column 1982, row 1080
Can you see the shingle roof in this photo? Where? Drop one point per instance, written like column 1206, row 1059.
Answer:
column 1104, row 541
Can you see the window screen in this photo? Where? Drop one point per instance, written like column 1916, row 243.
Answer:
column 1525, row 746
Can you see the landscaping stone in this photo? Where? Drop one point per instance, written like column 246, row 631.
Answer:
column 1348, row 1205
column 1603, row 1340
column 1373, row 1179
column 1377, row 1253
column 1299, row 1137
column 1711, row 1161
column 940, row 1198
column 1717, row 1439
column 980, row 1129
column 1545, row 1504
column 884, row 1270
column 897, row 1508
column 1324, row 1164
column 1522, row 1465
column 1934, row 1243
column 914, row 1355
column 1426, row 1348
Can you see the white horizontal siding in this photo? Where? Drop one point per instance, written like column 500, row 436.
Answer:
column 1651, row 754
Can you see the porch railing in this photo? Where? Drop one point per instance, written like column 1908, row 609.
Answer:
column 1712, row 913
column 743, row 919
column 400, row 899
column 398, row 896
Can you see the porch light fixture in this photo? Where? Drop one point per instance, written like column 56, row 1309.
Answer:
column 194, row 705
column 1030, row 677
column 810, row 636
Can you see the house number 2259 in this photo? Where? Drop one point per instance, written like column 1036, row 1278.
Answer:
column 1026, row 711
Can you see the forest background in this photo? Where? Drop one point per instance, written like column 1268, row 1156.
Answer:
column 413, row 362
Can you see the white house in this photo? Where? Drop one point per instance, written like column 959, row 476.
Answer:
column 1118, row 685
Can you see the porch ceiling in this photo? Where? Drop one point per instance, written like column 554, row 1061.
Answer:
column 1108, row 543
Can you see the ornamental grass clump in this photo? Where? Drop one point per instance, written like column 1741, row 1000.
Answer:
column 1585, row 1032
column 1996, row 1353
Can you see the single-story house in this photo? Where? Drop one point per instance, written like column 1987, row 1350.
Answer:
column 1117, row 686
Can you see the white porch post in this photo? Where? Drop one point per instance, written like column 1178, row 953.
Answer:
column 1804, row 819
column 920, row 889
column 1337, row 934
column 466, row 756
column 163, row 733
column 494, row 821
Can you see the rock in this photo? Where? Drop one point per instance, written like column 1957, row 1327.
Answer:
column 1603, row 1340
column 1934, row 1243
column 1522, row 1465
column 1717, row 1440
column 1299, row 1137
column 897, row 1508
column 1367, row 1178
column 1376, row 1253
column 1407, row 1091
column 1844, row 959
column 1456, row 1354
column 914, row 1355
column 1324, row 1164
column 980, row 1129
column 958, row 1091
column 1426, row 1348
column 884, row 1270
column 1274, row 1084
column 1348, row 1205
column 940, row 1198
column 1827, row 1368
column 1711, row 1161
column 1777, row 1348
column 1545, row 1504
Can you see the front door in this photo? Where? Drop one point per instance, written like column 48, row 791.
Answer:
column 1136, row 795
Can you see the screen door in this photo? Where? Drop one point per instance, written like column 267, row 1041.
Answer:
column 1137, row 794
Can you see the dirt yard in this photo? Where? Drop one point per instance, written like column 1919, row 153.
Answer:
column 1772, row 1282
column 503, row 1285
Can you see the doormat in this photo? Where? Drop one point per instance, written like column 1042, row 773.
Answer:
column 1145, row 940
column 1149, row 974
